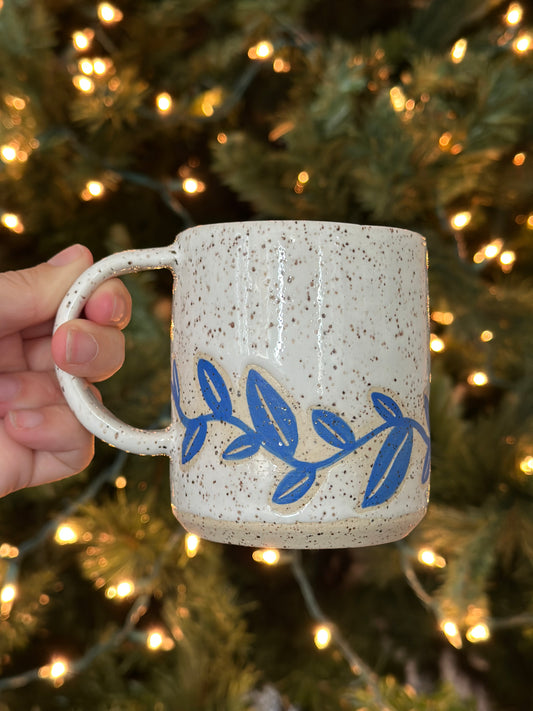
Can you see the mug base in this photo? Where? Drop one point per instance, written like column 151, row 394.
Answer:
column 348, row 533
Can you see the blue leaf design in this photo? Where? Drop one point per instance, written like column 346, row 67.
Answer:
column 295, row 484
column 427, row 465
column 273, row 419
column 244, row 446
column 390, row 466
column 176, row 395
column 214, row 390
column 333, row 429
column 386, row 407
column 193, row 439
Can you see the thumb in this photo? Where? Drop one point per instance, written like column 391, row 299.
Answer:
column 32, row 296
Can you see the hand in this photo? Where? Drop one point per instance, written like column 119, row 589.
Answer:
column 40, row 439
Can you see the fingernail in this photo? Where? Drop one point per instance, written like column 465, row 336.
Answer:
column 9, row 387
column 118, row 310
column 81, row 347
column 66, row 256
column 26, row 419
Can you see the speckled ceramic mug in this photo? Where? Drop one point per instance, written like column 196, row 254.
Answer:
column 300, row 377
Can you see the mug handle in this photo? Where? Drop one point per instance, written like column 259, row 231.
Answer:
column 94, row 416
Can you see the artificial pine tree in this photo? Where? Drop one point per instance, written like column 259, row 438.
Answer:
column 121, row 125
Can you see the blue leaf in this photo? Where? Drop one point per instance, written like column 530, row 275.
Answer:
column 244, row 446
column 386, row 407
column 390, row 466
column 214, row 390
column 295, row 484
column 333, row 429
column 427, row 465
column 193, row 439
column 273, row 419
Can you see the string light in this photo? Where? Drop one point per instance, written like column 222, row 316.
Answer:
column 122, row 590
column 397, row 98
column 83, row 83
column 8, row 153
column 154, row 640
column 65, row 534
column 322, row 637
column 8, row 593
column 443, row 317
column 436, row 344
column 478, row 633
column 479, row 378
column 427, row 557
column 109, row 13
column 269, row 556
column 519, row 159
column 262, row 50
column 301, row 181
column 56, row 670
column 526, row 465
column 192, row 544
column 486, row 336
column 507, row 260
column 493, row 249
column 458, row 51
column 514, row 14
column 120, row 482
column 222, row 138
column 192, row 186
column 82, row 39
column 460, row 220
column 12, row 222
column 8, row 551
column 522, row 43
column 529, row 221
column 163, row 102
column 281, row 66
column 451, row 632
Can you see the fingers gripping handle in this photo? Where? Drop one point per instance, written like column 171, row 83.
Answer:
column 85, row 405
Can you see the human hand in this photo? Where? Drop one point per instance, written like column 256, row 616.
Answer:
column 40, row 439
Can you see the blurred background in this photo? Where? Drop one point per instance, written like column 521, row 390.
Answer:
column 121, row 125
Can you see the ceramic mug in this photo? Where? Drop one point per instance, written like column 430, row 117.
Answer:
column 300, row 379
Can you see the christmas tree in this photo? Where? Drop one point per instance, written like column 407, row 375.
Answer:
column 123, row 124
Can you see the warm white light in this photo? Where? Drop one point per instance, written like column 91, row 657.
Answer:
column 85, row 66
column 280, row 66
column 443, row 317
column 436, row 344
column 460, row 220
column 192, row 543
column 452, row 633
column 58, row 669
column 191, row 186
column 83, row 83
column 99, row 66
column 82, row 39
column 12, row 222
column 121, row 482
column 322, row 637
column 262, row 50
column 508, row 257
column 526, row 465
column 8, row 593
column 109, row 13
column 519, row 159
column 95, row 188
column 522, row 44
column 478, row 378
column 514, row 14
column 478, row 633
column 458, row 51
column 397, row 98
column 303, row 177
column 8, row 153
column 154, row 640
column 65, row 534
column 486, row 336
column 125, row 588
column 270, row 556
column 163, row 102
column 493, row 249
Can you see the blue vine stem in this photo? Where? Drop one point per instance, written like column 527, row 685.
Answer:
column 274, row 429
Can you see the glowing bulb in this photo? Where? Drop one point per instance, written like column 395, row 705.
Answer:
column 478, row 633
column 458, row 51
column 431, row 559
column 125, row 588
column 192, row 186
column 519, row 159
column 192, row 543
column 443, row 317
column 85, row 66
column 303, row 177
column 100, row 66
column 95, row 188
column 514, row 14
column 479, row 378
column 8, row 593
column 460, row 220
column 486, row 336
column 452, row 633
column 507, row 257
column 12, row 222
column 163, row 102
column 529, row 221
column 222, row 138
column 82, row 39
column 120, row 482
column 397, row 98
column 154, row 640
column 270, row 556
column 322, row 637
column 280, row 66
column 109, row 13
column 8, row 153
column 83, row 83
column 436, row 344
column 262, row 50
column 65, row 534
column 526, row 465
column 493, row 249
column 522, row 44
column 58, row 669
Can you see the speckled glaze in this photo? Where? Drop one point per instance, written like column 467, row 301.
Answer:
column 329, row 318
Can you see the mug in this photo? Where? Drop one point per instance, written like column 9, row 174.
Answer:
column 300, row 379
